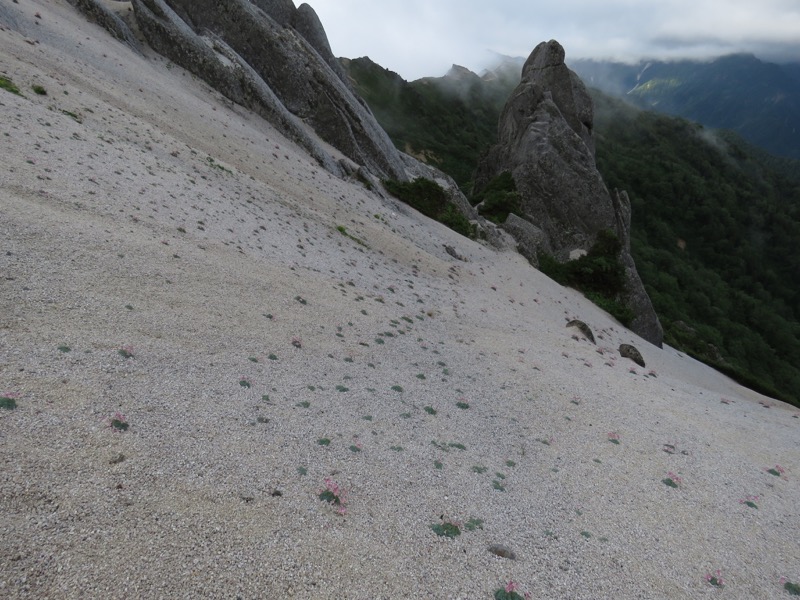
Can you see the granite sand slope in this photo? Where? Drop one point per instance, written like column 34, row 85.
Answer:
column 263, row 307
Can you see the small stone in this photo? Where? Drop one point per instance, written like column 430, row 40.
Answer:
column 628, row 351
column 502, row 551
column 117, row 459
column 584, row 329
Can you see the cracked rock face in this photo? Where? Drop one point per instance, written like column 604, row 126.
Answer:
column 275, row 59
column 545, row 141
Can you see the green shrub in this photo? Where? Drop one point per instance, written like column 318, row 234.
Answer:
column 599, row 274
column 8, row 85
column 456, row 221
column 446, row 529
column 432, row 200
column 499, row 197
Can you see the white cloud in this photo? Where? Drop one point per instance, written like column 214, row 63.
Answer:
column 417, row 38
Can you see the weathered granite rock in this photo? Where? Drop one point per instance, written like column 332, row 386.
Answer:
column 307, row 24
column 546, row 68
column 281, row 11
column 223, row 69
column 530, row 239
column 542, row 140
column 261, row 41
column 502, row 551
column 628, row 351
column 305, row 20
column 545, row 142
column 97, row 12
column 583, row 328
column 645, row 322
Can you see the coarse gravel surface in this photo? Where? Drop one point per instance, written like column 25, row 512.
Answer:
column 169, row 261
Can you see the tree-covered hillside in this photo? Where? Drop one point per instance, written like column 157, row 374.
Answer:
column 715, row 224
column 447, row 121
column 715, row 237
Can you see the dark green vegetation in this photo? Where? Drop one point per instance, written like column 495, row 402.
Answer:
column 714, row 236
column 758, row 100
column 343, row 230
column 716, row 222
column 499, row 197
column 8, row 402
column 8, row 85
column 429, row 198
column 598, row 274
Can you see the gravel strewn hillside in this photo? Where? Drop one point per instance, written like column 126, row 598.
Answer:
column 141, row 212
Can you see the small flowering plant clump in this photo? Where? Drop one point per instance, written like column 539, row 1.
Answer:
column 8, row 400
column 118, row 422
column 126, row 352
column 777, row 471
column 750, row 501
column 297, row 342
column 716, row 579
column 613, row 437
column 244, row 382
column 509, row 592
column 672, row 480
column 334, row 494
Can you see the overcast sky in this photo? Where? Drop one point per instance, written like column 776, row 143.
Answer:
column 418, row 38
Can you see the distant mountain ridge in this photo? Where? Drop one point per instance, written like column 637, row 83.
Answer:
column 758, row 100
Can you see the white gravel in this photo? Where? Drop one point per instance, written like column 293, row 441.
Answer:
column 173, row 223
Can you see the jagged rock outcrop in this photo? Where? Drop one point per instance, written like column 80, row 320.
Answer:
column 530, row 239
column 222, row 68
column 99, row 13
column 545, row 142
column 307, row 24
column 273, row 58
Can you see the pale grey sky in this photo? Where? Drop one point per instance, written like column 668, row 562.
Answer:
column 418, row 38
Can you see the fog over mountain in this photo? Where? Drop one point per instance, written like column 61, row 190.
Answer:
column 418, row 39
